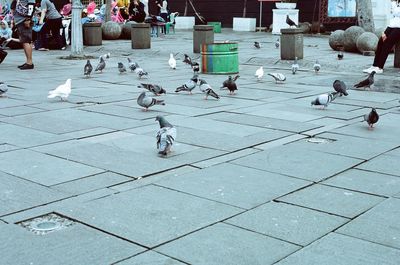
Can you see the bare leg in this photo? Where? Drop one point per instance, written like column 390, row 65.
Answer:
column 28, row 52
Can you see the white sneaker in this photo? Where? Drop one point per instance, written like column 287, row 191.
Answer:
column 369, row 70
column 378, row 70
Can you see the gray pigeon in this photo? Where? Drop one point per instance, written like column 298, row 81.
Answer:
column 367, row 82
column 166, row 136
column 147, row 102
column 257, row 45
column 290, row 22
column 3, row 89
column 195, row 67
column 340, row 55
column 295, row 66
column 102, row 64
column 317, row 66
column 277, row 43
column 156, row 89
column 207, row 89
column 371, row 118
column 141, row 73
column 187, row 60
column 189, row 85
column 132, row 65
column 230, row 84
column 324, row 99
column 121, row 68
column 340, row 87
column 279, row 77
column 87, row 70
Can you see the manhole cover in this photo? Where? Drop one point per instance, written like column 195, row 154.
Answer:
column 47, row 223
column 319, row 140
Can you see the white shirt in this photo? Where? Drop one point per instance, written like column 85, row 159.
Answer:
column 395, row 21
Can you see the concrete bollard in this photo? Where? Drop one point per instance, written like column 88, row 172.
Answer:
column 202, row 34
column 140, row 36
column 92, row 34
column 291, row 44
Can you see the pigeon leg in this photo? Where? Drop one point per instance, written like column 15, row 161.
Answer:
column 205, row 98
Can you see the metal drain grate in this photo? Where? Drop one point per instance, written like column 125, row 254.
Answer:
column 316, row 140
column 46, row 224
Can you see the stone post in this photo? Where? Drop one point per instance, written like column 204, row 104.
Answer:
column 76, row 38
column 365, row 16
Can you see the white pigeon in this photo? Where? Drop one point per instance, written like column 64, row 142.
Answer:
column 279, row 77
column 166, row 136
column 105, row 56
column 259, row 73
column 295, row 66
column 324, row 99
column 172, row 61
column 61, row 91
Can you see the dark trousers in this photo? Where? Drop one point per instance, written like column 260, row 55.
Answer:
column 165, row 17
column 52, row 26
column 385, row 47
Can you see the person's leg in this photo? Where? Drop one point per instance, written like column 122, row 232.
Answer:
column 28, row 52
column 54, row 27
column 25, row 37
column 43, row 37
column 387, row 46
column 378, row 52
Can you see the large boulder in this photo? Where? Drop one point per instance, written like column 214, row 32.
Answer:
column 379, row 32
column 336, row 39
column 367, row 42
column 111, row 30
column 350, row 38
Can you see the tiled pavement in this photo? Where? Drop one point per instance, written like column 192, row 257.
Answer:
column 255, row 178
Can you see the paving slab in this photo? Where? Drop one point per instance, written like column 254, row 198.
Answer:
column 333, row 200
column 19, row 110
column 287, row 222
column 343, row 250
column 43, row 169
column 298, row 162
column 17, row 194
column 379, row 225
column 386, row 164
column 365, row 181
column 235, row 185
column 225, row 244
column 150, row 258
column 73, row 245
column 151, row 215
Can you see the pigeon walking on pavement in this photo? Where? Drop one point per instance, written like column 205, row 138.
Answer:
column 121, row 68
column 279, row 77
column 195, row 67
column 141, row 73
column 87, row 70
column 290, row 22
column 132, row 65
column 230, row 84
column 155, row 89
column 189, row 85
column 100, row 67
column 340, row 55
column 207, row 89
column 295, row 66
column 277, row 43
column 62, row 91
column 146, row 102
column 187, row 60
column 166, row 136
column 3, row 89
column 259, row 73
column 324, row 99
column 371, row 118
column 340, row 87
column 257, row 45
column 366, row 82
column 172, row 61
column 317, row 66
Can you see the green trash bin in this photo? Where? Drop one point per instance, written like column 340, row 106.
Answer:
column 220, row 58
column 216, row 25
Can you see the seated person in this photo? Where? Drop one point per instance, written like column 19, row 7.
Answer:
column 5, row 32
column 136, row 11
column 13, row 41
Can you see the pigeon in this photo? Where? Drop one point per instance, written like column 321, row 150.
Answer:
column 367, row 82
column 105, row 56
column 3, row 89
column 187, row 59
column 165, row 136
column 189, row 85
column 317, row 66
column 195, row 67
column 278, row 77
column 102, row 64
column 87, row 70
column 146, row 102
column 61, row 91
column 257, row 45
column 371, row 118
column 121, row 68
column 259, row 73
column 172, row 61
column 324, row 99
column 340, row 87
column 132, row 65
column 290, row 22
column 277, row 43
column 141, row 73
column 295, row 66
column 156, row 89
column 340, row 55
column 230, row 84
column 206, row 88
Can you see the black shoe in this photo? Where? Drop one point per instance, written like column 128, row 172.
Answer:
column 3, row 55
column 26, row 67
column 19, row 66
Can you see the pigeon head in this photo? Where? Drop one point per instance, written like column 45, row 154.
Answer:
column 120, row 64
column 373, row 73
column 88, row 62
column 314, row 102
column 68, row 82
column 162, row 121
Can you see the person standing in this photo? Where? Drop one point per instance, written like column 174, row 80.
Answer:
column 53, row 24
column 163, row 11
column 23, row 12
